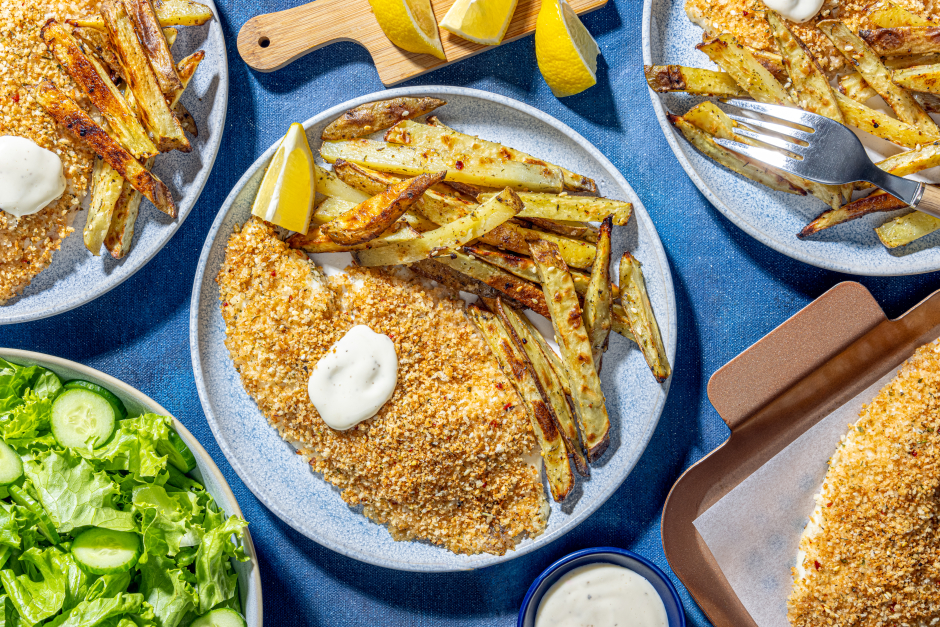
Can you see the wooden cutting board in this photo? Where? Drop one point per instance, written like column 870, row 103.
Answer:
column 269, row 42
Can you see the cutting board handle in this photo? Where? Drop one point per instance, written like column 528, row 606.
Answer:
column 789, row 353
column 270, row 41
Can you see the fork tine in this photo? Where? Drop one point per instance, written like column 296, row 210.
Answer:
column 787, row 131
column 787, row 114
column 765, row 155
column 773, row 141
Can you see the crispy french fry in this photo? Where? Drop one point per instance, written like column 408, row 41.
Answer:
column 909, row 162
column 463, row 188
column 877, row 75
column 67, row 113
column 330, row 209
column 811, row 84
column 855, row 87
column 692, row 80
column 905, row 229
column 377, row 116
column 186, row 119
column 93, row 79
column 575, row 208
column 408, row 161
column 919, row 78
column 577, row 230
column 374, row 216
column 882, row 125
column 329, row 184
column 156, row 113
column 513, row 237
column 525, row 292
column 518, row 370
column 155, row 45
column 930, row 102
column 169, row 13
column 877, row 202
column 772, row 62
column 902, row 40
column 434, row 270
column 317, row 241
column 619, row 323
column 481, row 220
column 96, row 43
column 575, row 347
column 891, row 15
column 530, row 341
column 598, row 299
column 106, row 186
column 745, row 69
column 639, row 311
column 910, row 60
column 571, row 181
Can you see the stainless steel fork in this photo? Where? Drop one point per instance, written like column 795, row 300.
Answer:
column 823, row 150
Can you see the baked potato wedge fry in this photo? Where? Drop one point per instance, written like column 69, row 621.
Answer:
column 576, row 230
column 96, row 43
column 745, row 69
column 881, row 124
column 518, row 370
column 371, row 218
column 810, row 83
column 550, row 355
column 67, row 113
column 408, row 161
column 892, row 15
column 919, row 78
column 329, row 184
column 330, row 209
column 377, row 116
column 106, row 186
column 575, row 208
column 902, row 40
column 855, row 87
column 597, row 300
column 877, row 202
column 151, row 37
column 877, row 75
column 908, row 162
column 93, row 79
column 525, row 292
column 551, row 387
column 571, row 181
column 636, row 304
column 910, row 60
column 772, row 62
column 575, row 347
column 186, row 119
column 692, row 80
column 317, row 241
column 120, row 235
column 153, row 107
column 436, row 271
column 905, row 229
column 169, row 13
column 481, row 220
column 619, row 323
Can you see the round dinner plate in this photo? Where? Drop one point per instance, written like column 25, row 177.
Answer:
column 284, row 482
column 771, row 217
column 206, row 471
column 75, row 276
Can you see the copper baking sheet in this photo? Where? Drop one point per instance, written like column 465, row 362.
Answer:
column 771, row 394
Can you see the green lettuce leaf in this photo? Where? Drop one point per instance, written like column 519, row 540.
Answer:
column 77, row 583
column 134, row 447
column 47, row 384
column 164, row 520
column 39, row 592
column 94, row 613
column 74, row 495
column 8, row 616
column 107, row 586
column 14, row 380
column 166, row 588
column 215, row 579
column 27, row 419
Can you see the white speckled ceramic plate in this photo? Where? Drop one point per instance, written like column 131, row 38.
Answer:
column 206, row 471
column 75, row 276
column 284, row 482
column 773, row 218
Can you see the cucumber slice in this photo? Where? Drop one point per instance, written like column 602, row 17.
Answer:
column 82, row 418
column 120, row 411
column 178, row 453
column 11, row 466
column 105, row 551
column 44, row 523
column 222, row 617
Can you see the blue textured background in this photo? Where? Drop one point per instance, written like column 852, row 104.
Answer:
column 730, row 291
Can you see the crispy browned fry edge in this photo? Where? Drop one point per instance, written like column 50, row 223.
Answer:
column 893, row 15
column 376, row 116
column 598, row 299
column 67, row 113
column 575, row 347
column 518, row 370
column 771, row 61
column 372, row 217
column 169, row 13
column 93, row 80
column 882, row 125
column 873, row 203
column 619, row 323
column 436, row 271
column 153, row 106
column 546, row 379
column 464, row 188
column 666, row 78
column 186, row 119
column 745, row 69
column 317, row 241
column 902, row 40
column 855, row 87
column 583, row 231
column 96, row 42
column 642, row 319
column 520, row 290
column 151, row 37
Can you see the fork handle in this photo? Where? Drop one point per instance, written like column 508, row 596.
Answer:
column 929, row 200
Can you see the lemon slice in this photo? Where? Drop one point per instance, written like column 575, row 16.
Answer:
column 480, row 21
column 285, row 197
column 565, row 51
column 409, row 24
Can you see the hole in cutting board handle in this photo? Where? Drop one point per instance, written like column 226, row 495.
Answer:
column 264, row 42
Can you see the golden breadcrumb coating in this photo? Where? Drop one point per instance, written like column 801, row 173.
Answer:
column 447, row 458
column 872, row 548
column 27, row 243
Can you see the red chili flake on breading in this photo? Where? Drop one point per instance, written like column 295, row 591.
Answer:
column 817, row 564
column 16, row 97
column 828, row 504
column 913, row 453
column 290, row 298
column 499, row 386
column 273, row 273
column 225, row 304
column 507, row 406
column 459, row 165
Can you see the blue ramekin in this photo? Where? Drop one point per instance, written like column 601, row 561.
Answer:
column 603, row 554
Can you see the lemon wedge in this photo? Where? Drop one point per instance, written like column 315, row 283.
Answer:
column 409, row 24
column 565, row 51
column 480, row 21
column 285, row 197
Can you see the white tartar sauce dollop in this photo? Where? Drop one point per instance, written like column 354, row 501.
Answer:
column 795, row 10
column 30, row 177
column 601, row 595
column 355, row 378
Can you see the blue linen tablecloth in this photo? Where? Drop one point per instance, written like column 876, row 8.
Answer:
column 730, row 291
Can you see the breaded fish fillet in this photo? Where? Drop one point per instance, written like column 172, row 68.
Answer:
column 447, row 458
column 871, row 552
